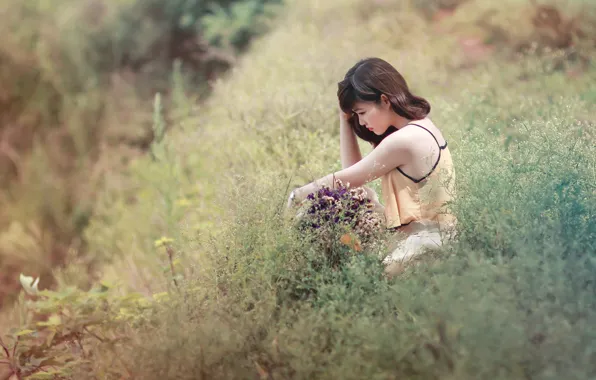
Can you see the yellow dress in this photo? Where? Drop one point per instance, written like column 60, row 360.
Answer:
column 417, row 207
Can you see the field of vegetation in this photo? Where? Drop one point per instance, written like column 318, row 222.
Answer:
column 192, row 269
column 77, row 79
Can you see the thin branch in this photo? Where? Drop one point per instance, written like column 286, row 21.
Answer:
column 94, row 335
column 5, row 348
column 14, row 349
column 34, row 370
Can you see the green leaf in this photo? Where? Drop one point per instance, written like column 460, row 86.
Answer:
column 45, row 375
column 54, row 320
column 47, row 293
column 50, row 361
column 107, row 284
column 24, row 332
column 132, row 297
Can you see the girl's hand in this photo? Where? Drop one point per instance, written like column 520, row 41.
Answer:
column 343, row 115
column 293, row 205
column 290, row 201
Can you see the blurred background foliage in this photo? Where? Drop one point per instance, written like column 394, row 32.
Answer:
column 181, row 193
column 76, row 85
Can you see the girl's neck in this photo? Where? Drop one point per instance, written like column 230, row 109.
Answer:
column 399, row 122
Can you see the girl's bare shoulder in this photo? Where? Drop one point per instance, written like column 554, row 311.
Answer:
column 414, row 133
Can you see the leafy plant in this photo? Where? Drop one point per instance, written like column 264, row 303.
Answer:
column 62, row 330
column 235, row 25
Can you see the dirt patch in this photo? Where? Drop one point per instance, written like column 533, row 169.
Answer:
column 483, row 28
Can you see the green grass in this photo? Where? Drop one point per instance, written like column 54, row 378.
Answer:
column 513, row 298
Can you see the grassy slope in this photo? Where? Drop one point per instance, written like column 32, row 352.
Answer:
column 502, row 303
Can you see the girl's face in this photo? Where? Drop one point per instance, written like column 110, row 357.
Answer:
column 377, row 117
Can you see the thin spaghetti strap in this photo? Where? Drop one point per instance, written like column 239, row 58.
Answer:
column 432, row 134
column 436, row 163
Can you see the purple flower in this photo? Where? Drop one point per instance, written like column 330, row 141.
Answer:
column 327, row 208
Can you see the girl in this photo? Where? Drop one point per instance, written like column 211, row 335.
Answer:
column 410, row 156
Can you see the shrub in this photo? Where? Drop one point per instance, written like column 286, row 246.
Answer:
column 146, row 37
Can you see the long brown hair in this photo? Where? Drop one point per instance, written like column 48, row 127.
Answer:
column 366, row 81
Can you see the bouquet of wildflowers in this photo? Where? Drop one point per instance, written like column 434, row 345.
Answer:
column 338, row 218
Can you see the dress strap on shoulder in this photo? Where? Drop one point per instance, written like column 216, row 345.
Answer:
column 436, row 163
column 432, row 134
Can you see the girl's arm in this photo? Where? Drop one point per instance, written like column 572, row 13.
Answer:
column 392, row 152
column 348, row 146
